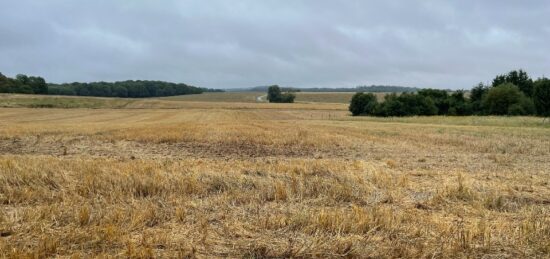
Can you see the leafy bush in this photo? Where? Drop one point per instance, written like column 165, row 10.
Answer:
column 391, row 106
column 287, row 98
column 507, row 99
column 406, row 104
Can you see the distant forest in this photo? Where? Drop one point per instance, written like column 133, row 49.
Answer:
column 129, row 88
column 135, row 89
column 372, row 89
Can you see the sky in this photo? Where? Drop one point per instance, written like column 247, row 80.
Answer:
column 451, row 44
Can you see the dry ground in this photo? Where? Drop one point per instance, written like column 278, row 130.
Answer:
column 218, row 179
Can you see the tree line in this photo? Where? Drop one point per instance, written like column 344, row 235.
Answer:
column 135, row 89
column 514, row 93
column 23, row 84
column 129, row 88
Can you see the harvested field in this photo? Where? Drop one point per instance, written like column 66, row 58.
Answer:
column 172, row 178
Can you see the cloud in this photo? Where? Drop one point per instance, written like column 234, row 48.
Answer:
column 451, row 44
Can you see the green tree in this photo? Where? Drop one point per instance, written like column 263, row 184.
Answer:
column 38, row 85
column 274, row 95
column 476, row 97
column 541, row 97
column 5, row 84
column 363, row 104
column 22, row 79
column 439, row 97
column 519, row 78
column 507, row 99
column 458, row 104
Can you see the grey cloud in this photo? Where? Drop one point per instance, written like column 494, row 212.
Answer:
column 444, row 44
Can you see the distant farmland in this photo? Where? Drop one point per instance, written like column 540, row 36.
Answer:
column 325, row 97
column 328, row 97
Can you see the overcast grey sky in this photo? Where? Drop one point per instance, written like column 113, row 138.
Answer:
column 441, row 44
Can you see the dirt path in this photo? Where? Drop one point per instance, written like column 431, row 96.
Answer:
column 261, row 99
